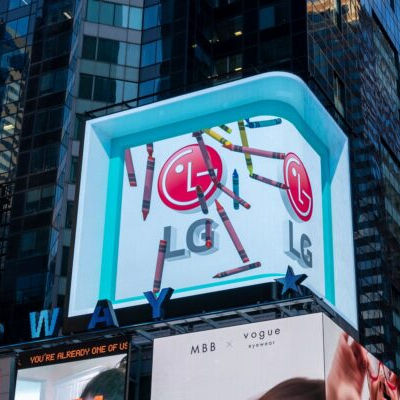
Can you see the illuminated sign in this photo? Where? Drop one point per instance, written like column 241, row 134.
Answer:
column 215, row 190
column 82, row 371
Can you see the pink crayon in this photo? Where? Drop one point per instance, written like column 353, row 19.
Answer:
column 255, row 152
column 234, row 271
column 269, row 181
column 160, row 266
column 208, row 233
column 231, row 231
column 234, row 196
column 148, row 187
column 150, row 149
column 202, row 200
column 129, row 168
column 206, row 156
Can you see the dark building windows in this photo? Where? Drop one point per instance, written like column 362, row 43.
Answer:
column 40, row 199
column 106, row 90
column 228, row 64
column 151, row 16
column 104, row 12
column 44, row 159
column 89, row 47
column 33, row 242
column 85, row 86
column 53, row 81
column 338, row 94
column 111, row 51
column 274, row 15
column 56, row 45
column 151, row 53
column 275, row 50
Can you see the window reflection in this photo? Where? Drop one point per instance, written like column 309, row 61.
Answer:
column 18, row 3
column 104, row 12
column 17, row 27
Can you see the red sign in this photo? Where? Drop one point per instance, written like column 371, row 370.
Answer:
column 299, row 192
column 182, row 172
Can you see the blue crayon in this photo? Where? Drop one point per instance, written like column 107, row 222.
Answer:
column 235, row 185
column 262, row 124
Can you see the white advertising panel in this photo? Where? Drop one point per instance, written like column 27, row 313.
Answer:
column 306, row 357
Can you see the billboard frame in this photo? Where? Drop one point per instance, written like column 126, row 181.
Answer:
column 282, row 94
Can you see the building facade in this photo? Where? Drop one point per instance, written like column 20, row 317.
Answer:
column 63, row 62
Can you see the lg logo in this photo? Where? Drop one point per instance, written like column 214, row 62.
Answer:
column 299, row 192
column 185, row 169
column 182, row 172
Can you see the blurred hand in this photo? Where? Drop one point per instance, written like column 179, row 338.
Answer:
column 346, row 378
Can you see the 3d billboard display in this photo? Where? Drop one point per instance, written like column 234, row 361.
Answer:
column 307, row 357
column 87, row 371
column 216, row 190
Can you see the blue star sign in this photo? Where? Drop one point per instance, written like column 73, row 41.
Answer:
column 291, row 281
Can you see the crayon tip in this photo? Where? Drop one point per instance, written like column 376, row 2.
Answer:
column 216, row 276
column 246, row 259
column 208, row 244
column 247, row 206
column 217, row 203
column 145, row 214
column 198, row 189
column 235, row 174
column 132, row 184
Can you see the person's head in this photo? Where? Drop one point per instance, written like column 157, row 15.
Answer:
column 110, row 384
column 297, row 389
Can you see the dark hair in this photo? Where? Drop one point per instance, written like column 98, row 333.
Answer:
column 297, row 389
column 110, row 384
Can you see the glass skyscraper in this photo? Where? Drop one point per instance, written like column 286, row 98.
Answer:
column 64, row 61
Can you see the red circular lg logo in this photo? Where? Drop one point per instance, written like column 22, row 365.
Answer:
column 299, row 192
column 182, row 172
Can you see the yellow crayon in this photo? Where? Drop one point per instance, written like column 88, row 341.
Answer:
column 245, row 143
column 217, row 137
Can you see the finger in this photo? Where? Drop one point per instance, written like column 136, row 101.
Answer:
column 360, row 355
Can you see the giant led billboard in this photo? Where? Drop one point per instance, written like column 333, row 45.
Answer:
column 307, row 357
column 220, row 189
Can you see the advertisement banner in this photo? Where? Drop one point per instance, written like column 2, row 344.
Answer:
column 202, row 195
column 280, row 222
column 306, row 357
column 352, row 372
column 86, row 371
